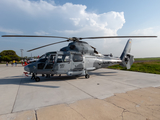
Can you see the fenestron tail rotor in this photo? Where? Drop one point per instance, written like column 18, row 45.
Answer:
column 73, row 38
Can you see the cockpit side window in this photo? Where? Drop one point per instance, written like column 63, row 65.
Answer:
column 51, row 62
column 77, row 58
column 52, row 58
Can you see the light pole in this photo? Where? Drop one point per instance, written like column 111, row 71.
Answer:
column 21, row 53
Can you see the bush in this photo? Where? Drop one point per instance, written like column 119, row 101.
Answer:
column 9, row 55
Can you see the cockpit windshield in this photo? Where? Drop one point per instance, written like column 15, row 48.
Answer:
column 45, row 57
column 42, row 60
column 49, row 53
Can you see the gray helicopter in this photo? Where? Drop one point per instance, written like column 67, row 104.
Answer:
column 77, row 58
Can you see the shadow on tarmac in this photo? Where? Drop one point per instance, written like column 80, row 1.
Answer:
column 27, row 81
column 20, row 80
column 102, row 73
column 65, row 78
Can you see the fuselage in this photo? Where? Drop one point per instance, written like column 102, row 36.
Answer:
column 70, row 63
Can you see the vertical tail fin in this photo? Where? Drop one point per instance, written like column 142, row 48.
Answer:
column 127, row 49
column 127, row 59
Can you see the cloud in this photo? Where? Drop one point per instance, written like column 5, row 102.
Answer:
column 8, row 31
column 43, row 18
column 41, row 33
column 146, row 31
column 47, row 15
column 146, row 47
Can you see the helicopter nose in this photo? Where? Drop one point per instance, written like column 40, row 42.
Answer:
column 26, row 68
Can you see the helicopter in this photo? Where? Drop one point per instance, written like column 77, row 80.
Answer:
column 76, row 59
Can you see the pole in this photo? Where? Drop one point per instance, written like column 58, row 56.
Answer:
column 21, row 53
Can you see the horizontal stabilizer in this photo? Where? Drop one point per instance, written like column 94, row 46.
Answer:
column 128, row 61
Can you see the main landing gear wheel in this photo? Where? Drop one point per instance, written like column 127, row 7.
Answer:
column 52, row 74
column 37, row 79
column 87, row 76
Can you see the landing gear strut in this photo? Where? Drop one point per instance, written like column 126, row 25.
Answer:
column 87, row 75
column 47, row 75
column 34, row 77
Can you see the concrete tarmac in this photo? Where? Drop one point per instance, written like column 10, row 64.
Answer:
column 21, row 96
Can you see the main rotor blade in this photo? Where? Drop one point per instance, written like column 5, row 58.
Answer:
column 46, row 45
column 33, row 36
column 117, row 37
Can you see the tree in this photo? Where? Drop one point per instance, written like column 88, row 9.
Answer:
column 9, row 55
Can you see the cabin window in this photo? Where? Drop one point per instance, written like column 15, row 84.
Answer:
column 77, row 58
column 63, row 58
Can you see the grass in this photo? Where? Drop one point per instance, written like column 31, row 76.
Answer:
column 146, row 67
column 147, row 59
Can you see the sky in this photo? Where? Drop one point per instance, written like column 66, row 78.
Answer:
column 81, row 18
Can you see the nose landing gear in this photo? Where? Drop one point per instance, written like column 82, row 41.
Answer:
column 37, row 79
column 34, row 77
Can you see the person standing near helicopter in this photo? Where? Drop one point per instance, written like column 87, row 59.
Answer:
column 7, row 64
column 15, row 63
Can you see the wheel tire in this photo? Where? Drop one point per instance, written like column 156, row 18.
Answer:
column 87, row 76
column 37, row 79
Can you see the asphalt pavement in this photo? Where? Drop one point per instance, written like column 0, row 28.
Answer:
column 21, row 95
